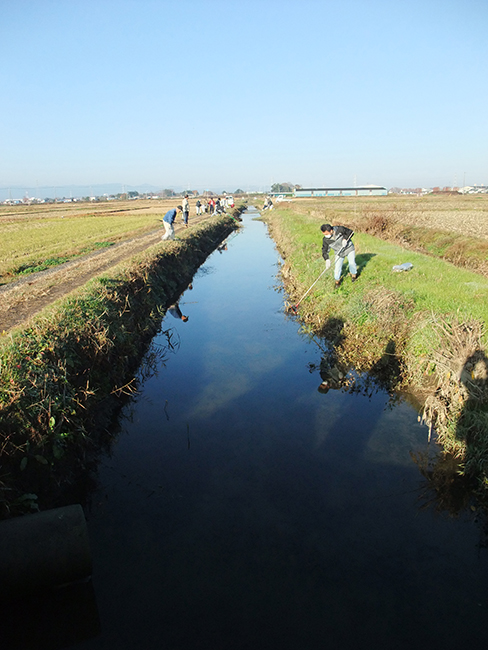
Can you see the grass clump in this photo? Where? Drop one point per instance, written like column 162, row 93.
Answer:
column 42, row 265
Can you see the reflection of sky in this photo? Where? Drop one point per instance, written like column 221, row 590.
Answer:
column 241, row 360
column 226, row 380
column 233, row 339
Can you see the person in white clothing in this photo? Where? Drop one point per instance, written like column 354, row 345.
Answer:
column 186, row 210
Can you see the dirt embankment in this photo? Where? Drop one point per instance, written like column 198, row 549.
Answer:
column 22, row 299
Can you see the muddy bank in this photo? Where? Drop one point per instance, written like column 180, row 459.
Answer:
column 69, row 366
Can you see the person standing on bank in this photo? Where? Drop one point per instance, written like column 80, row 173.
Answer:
column 338, row 238
column 186, row 210
column 168, row 221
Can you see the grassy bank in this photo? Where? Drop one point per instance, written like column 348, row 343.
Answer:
column 453, row 228
column 61, row 372
column 423, row 329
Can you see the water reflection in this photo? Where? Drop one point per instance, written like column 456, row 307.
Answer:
column 175, row 311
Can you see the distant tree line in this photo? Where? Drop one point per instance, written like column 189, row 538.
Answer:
column 284, row 187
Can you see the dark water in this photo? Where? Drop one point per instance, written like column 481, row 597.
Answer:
column 241, row 508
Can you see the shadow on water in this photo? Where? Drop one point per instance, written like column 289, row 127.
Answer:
column 448, row 489
column 384, row 375
column 52, row 620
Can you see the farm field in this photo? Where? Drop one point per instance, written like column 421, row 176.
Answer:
column 462, row 214
column 72, row 244
column 33, row 234
column 410, row 320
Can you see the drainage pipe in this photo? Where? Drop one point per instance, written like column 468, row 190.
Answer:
column 43, row 550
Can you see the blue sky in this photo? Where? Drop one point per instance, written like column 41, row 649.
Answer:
column 212, row 94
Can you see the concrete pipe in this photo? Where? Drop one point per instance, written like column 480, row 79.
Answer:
column 43, row 550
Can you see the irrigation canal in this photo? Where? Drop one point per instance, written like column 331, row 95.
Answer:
column 241, row 508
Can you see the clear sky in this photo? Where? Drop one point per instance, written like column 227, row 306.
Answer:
column 221, row 94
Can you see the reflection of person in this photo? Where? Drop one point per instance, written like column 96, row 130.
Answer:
column 331, row 377
column 175, row 311
column 168, row 221
column 186, row 210
column 338, row 238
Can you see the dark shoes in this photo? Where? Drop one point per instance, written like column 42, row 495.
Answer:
column 353, row 279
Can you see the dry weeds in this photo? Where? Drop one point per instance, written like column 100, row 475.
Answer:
column 462, row 214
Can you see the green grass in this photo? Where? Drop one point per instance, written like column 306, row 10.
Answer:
column 30, row 242
column 432, row 284
column 34, row 267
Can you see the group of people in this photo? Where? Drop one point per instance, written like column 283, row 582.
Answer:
column 213, row 206
column 335, row 238
column 208, row 206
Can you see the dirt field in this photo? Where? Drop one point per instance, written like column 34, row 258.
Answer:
column 22, row 299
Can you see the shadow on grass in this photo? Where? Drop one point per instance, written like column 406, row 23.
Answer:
column 362, row 260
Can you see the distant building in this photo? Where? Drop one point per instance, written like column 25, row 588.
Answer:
column 361, row 190
column 474, row 189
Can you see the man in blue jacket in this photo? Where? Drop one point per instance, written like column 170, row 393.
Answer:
column 168, row 221
column 338, row 238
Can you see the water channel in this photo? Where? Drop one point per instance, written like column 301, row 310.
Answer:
column 241, row 508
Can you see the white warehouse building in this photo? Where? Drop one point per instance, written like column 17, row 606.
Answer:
column 361, row 190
